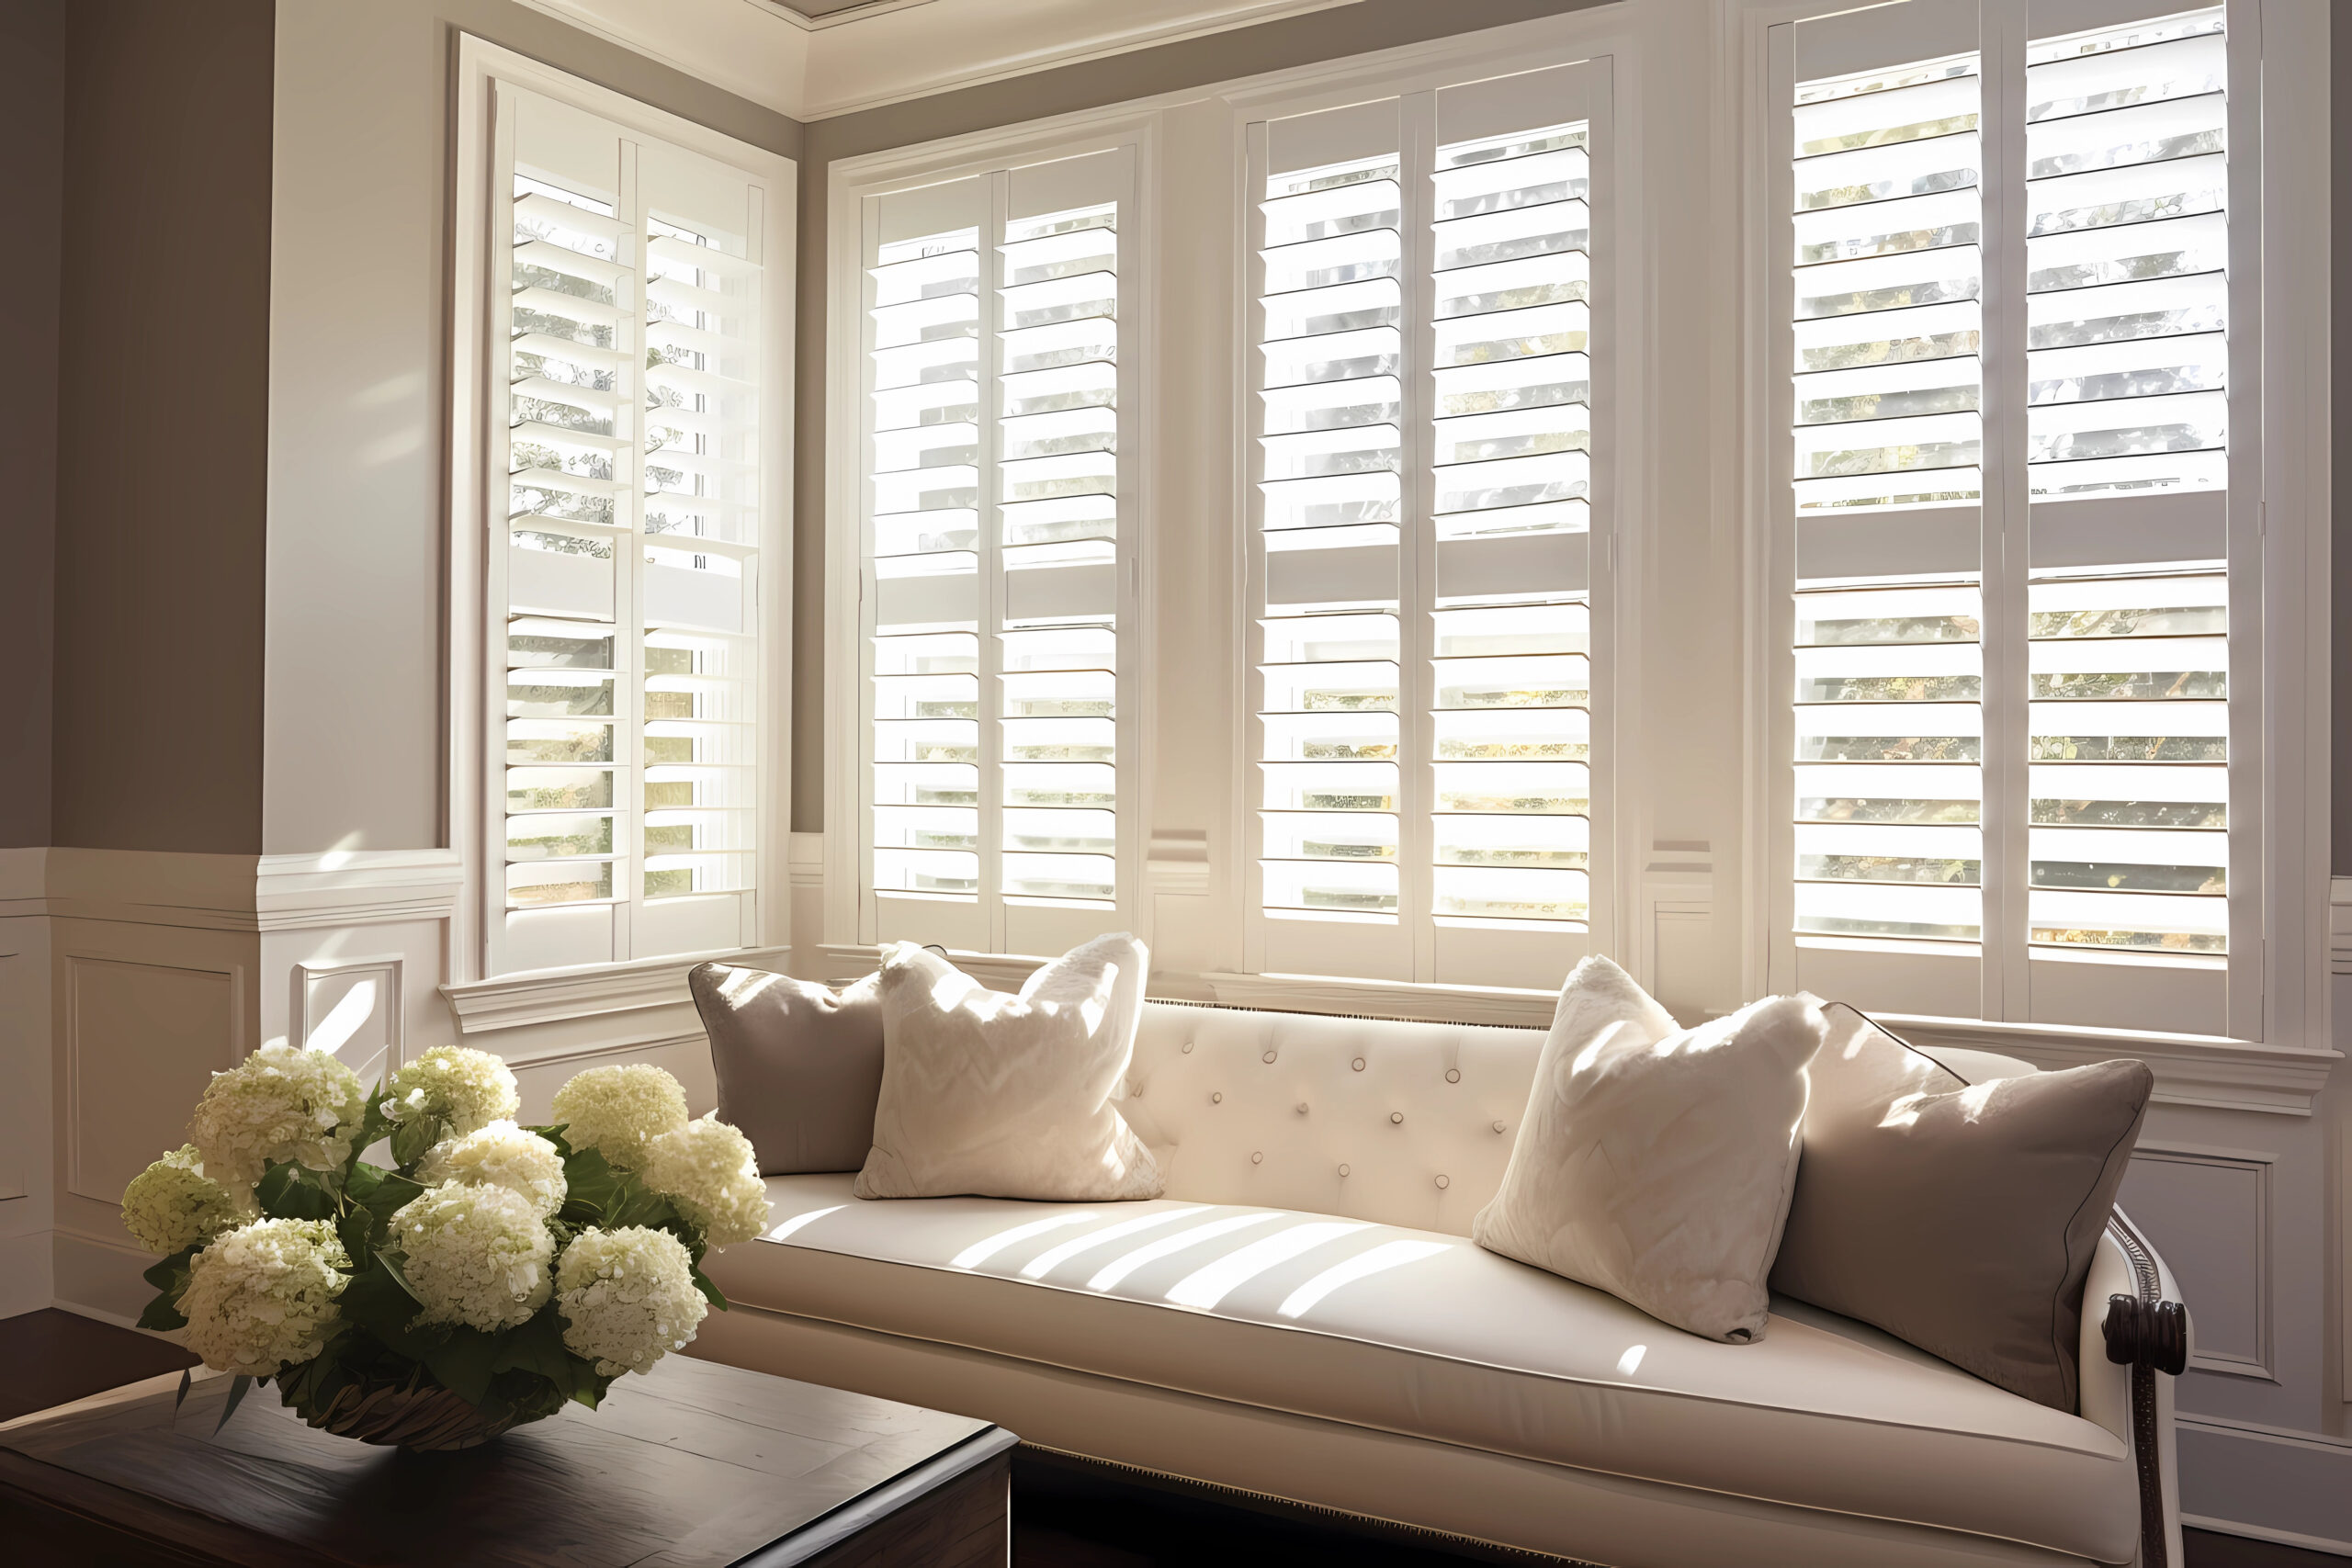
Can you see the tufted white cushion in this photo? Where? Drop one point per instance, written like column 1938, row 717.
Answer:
column 1403, row 1124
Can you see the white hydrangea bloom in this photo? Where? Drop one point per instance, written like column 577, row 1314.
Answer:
column 617, row 1111
column 173, row 1204
column 707, row 1168
column 263, row 1296
column 465, row 1088
column 626, row 1298
column 475, row 1255
column 280, row 1104
column 500, row 1155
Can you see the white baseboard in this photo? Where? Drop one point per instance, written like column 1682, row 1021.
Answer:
column 27, row 1281
column 2297, row 1484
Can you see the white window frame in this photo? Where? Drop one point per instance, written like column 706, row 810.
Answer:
column 476, row 670
column 2276, row 541
column 849, row 908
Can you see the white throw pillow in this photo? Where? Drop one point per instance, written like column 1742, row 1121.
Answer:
column 1656, row 1162
column 1009, row 1096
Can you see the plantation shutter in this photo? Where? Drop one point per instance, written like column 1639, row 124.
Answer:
column 1425, row 497
column 2008, row 309
column 997, row 577
column 626, row 591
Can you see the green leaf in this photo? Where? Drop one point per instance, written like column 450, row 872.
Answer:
column 238, row 1387
column 553, row 1134
column 173, row 1271
column 164, row 1312
column 373, row 1124
column 413, row 1140
column 592, row 1188
column 376, row 1195
column 291, row 1191
column 181, row 1398
column 537, row 1346
column 464, row 1363
column 379, row 1301
column 711, row 1292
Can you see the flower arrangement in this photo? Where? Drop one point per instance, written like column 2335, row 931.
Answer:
column 494, row 1273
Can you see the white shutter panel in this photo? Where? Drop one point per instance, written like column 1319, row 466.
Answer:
column 1887, row 324
column 996, row 561
column 1512, row 442
column 1427, row 488
column 626, row 599
column 2128, row 268
column 1331, row 351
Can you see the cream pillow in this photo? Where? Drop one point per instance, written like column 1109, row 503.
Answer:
column 1656, row 1162
column 1009, row 1096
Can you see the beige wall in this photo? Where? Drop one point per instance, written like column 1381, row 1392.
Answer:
column 32, row 127
column 164, row 321
column 1296, row 40
column 357, row 492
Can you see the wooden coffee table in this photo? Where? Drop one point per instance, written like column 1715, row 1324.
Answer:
column 695, row 1466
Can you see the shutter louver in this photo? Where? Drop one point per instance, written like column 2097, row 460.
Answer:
column 2127, row 258
column 1888, row 326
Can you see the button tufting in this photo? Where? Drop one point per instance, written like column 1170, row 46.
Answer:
column 1396, row 1116
column 1257, row 1157
column 1443, row 1182
column 1343, row 1170
column 1453, row 1074
column 1302, row 1108
column 1358, row 1064
column 1217, row 1097
column 1188, row 1047
column 1499, row 1127
column 1267, row 1057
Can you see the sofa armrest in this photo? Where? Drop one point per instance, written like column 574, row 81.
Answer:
column 2106, row 1384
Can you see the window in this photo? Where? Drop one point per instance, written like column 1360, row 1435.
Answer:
column 1428, row 481
column 996, row 586
column 631, row 504
column 2016, row 783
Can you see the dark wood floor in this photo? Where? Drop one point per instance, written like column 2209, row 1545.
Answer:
column 1065, row 1513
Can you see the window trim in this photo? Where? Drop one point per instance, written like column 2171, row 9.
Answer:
column 2283, row 549
column 474, row 681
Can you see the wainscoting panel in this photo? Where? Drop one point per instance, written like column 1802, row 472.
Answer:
column 141, row 1040
column 351, row 1007
column 2209, row 1213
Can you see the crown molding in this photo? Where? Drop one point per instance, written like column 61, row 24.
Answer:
column 892, row 51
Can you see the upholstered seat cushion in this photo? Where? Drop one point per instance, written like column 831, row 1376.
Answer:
column 1424, row 1333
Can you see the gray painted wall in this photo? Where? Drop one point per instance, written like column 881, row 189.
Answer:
column 359, row 349
column 161, row 434
column 2339, row 62
column 1192, row 62
column 32, row 127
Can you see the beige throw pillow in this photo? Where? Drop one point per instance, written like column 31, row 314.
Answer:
column 1656, row 1162
column 1009, row 1096
column 1960, row 1217
column 799, row 1064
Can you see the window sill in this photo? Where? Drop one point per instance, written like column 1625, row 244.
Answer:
column 558, row 995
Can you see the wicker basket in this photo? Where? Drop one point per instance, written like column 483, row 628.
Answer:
column 416, row 1414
